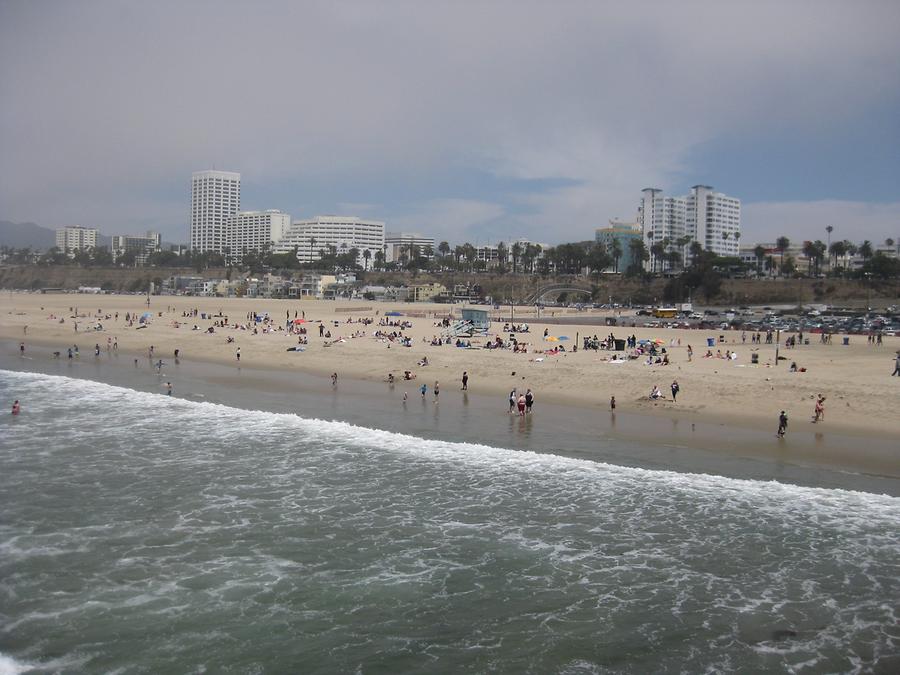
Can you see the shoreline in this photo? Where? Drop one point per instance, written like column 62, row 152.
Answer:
column 737, row 399
column 632, row 439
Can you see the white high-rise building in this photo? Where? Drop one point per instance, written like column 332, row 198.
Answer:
column 710, row 218
column 714, row 219
column 255, row 231
column 396, row 241
column 74, row 238
column 342, row 232
column 215, row 196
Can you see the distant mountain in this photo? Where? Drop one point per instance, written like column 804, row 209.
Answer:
column 20, row 235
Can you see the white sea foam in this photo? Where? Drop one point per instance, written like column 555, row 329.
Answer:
column 9, row 666
column 230, row 422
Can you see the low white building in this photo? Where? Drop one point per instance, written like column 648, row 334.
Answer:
column 255, row 231
column 398, row 243
column 142, row 246
column 343, row 232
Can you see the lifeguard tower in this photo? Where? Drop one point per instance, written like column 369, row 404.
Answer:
column 473, row 322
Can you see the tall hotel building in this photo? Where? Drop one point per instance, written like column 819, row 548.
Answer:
column 708, row 217
column 215, row 196
column 74, row 238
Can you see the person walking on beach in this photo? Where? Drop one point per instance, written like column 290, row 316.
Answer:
column 896, row 365
column 238, row 354
column 690, row 353
column 782, row 424
column 675, row 390
column 819, row 411
column 465, row 381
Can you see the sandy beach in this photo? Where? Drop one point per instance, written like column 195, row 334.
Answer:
column 856, row 380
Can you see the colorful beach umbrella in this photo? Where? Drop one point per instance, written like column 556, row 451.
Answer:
column 551, row 338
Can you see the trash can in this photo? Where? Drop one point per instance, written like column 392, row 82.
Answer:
column 202, row 315
column 847, row 340
column 754, row 358
column 620, row 345
column 710, row 342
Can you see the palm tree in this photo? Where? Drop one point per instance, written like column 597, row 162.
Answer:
column 782, row 244
column 639, row 254
column 516, row 251
column 696, row 248
column 615, row 250
column 458, row 253
column 760, row 253
column 312, row 244
column 810, row 252
column 529, row 255
column 501, row 257
column 865, row 249
column 470, row 253
column 367, row 254
column 444, row 249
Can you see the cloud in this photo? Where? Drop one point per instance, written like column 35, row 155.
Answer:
column 801, row 221
column 456, row 220
column 110, row 105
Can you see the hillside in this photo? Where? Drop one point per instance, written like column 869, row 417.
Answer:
column 22, row 235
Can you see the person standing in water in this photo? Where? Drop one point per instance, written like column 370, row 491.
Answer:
column 782, row 424
column 465, row 381
column 612, row 403
column 437, row 390
column 15, row 407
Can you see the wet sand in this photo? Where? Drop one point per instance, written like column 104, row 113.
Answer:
column 806, row 457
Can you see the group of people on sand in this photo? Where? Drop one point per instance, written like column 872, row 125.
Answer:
column 656, row 394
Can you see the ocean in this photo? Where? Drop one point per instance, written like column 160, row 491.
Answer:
column 147, row 533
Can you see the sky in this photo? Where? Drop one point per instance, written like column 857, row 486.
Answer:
column 466, row 121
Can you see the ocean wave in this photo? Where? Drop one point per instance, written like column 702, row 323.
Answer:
column 232, row 423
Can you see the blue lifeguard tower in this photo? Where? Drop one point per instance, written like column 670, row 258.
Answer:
column 479, row 318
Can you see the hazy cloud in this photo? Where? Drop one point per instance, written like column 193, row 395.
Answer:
column 571, row 108
column 807, row 220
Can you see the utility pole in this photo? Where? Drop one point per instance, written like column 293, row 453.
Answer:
column 777, row 344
